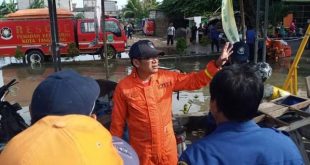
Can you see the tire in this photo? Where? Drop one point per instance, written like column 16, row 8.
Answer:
column 35, row 56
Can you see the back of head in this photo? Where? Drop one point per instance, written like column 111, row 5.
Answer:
column 264, row 70
column 70, row 139
column 62, row 93
column 238, row 91
column 240, row 53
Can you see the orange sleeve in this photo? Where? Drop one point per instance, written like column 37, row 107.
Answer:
column 119, row 113
column 211, row 69
column 193, row 81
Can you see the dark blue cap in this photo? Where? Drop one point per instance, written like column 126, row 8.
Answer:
column 144, row 49
column 240, row 53
column 63, row 93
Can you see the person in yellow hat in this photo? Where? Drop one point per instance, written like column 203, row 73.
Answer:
column 63, row 131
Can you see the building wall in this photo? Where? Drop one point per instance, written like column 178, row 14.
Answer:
column 161, row 22
column 25, row 4
column 109, row 6
column 301, row 13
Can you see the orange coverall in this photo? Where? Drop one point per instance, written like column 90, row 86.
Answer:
column 148, row 111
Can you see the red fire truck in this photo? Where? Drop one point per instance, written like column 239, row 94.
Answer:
column 28, row 31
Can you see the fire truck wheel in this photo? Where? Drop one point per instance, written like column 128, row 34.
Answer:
column 35, row 56
column 111, row 53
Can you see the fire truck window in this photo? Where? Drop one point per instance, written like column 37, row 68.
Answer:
column 88, row 27
column 111, row 26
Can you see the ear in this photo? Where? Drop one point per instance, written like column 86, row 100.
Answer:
column 136, row 63
column 94, row 116
column 213, row 106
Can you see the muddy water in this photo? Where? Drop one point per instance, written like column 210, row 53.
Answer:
column 29, row 78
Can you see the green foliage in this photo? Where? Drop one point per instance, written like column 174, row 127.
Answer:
column 73, row 50
column 181, row 45
column 80, row 16
column 37, row 4
column 138, row 9
column 6, row 8
column 277, row 11
column 189, row 8
column 204, row 41
column 18, row 53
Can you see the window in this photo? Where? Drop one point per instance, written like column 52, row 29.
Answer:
column 111, row 26
column 88, row 27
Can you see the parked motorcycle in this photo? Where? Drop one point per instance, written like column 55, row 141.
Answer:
column 11, row 123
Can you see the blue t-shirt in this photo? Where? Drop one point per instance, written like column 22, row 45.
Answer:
column 250, row 36
column 245, row 143
column 214, row 33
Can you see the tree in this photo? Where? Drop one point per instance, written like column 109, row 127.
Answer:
column 134, row 9
column 277, row 11
column 11, row 6
column 3, row 9
column 79, row 16
column 37, row 4
column 6, row 8
column 189, row 8
column 139, row 9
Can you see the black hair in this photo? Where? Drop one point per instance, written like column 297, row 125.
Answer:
column 238, row 91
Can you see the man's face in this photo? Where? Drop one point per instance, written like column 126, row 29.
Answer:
column 147, row 65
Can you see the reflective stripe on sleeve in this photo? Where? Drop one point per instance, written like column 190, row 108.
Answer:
column 208, row 74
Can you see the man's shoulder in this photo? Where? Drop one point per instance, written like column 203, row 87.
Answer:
column 126, row 79
column 204, row 145
column 203, row 148
column 166, row 73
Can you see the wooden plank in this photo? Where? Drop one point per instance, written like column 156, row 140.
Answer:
column 296, row 137
column 296, row 125
column 308, row 86
column 270, row 121
column 259, row 118
column 268, row 107
column 301, row 104
column 278, row 112
column 299, row 112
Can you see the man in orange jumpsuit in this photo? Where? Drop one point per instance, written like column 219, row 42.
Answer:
column 143, row 101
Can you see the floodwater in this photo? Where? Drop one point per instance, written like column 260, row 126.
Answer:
column 29, row 77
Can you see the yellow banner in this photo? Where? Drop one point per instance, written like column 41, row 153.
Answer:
column 228, row 21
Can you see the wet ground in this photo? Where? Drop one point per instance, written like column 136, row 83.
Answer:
column 29, row 78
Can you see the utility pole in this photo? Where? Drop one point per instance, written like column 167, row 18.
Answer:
column 257, row 30
column 265, row 29
column 54, row 34
column 104, row 52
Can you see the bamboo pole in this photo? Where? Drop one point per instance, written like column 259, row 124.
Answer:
column 242, row 20
column 291, row 82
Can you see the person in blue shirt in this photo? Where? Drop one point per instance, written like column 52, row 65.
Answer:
column 214, row 33
column 250, row 41
column 236, row 92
